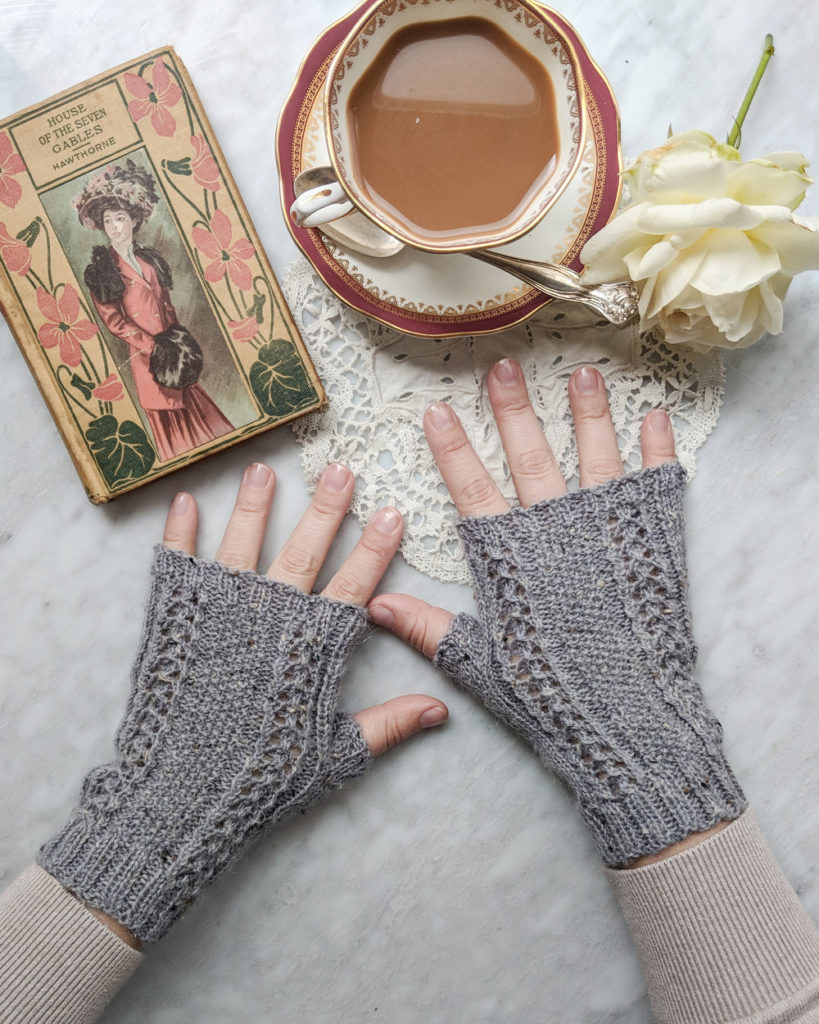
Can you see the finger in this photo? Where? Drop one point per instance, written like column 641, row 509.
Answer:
column 385, row 725
column 301, row 558
column 597, row 450
column 471, row 487
column 360, row 574
column 535, row 473
column 421, row 625
column 657, row 439
column 180, row 526
column 245, row 530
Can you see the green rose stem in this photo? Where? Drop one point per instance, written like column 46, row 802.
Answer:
column 735, row 137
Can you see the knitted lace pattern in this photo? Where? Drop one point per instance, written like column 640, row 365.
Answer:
column 231, row 722
column 584, row 647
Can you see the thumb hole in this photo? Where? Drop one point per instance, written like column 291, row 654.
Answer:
column 385, row 725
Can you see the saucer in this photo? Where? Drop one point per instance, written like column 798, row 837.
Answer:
column 446, row 295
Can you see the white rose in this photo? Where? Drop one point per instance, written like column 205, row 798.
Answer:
column 711, row 240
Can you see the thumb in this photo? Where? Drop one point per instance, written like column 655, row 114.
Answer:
column 385, row 725
column 421, row 625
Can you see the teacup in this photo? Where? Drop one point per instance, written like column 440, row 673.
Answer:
column 451, row 124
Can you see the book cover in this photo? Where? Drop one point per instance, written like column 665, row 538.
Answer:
column 134, row 282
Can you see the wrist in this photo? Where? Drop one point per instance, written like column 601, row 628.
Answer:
column 118, row 929
column 684, row 844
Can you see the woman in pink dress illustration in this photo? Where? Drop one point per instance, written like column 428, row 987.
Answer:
column 130, row 287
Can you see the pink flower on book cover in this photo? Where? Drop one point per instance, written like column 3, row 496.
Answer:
column 216, row 246
column 205, row 171
column 11, row 163
column 14, row 253
column 63, row 326
column 110, row 390
column 244, row 330
column 154, row 98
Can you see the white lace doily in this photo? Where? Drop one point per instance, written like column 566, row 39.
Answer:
column 379, row 382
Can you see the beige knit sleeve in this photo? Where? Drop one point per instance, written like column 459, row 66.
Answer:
column 58, row 963
column 721, row 934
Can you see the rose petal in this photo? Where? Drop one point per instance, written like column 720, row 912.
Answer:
column 796, row 243
column 603, row 253
column 654, row 258
column 733, row 263
column 672, row 281
column 762, row 182
column 664, row 219
column 686, row 169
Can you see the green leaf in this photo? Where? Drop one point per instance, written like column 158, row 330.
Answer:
column 122, row 450
column 86, row 387
column 279, row 380
column 29, row 233
column 182, row 166
column 257, row 307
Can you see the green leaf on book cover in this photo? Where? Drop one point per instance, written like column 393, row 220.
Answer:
column 30, row 232
column 279, row 380
column 182, row 166
column 257, row 309
column 122, row 450
column 86, row 387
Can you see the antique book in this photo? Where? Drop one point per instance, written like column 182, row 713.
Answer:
column 134, row 281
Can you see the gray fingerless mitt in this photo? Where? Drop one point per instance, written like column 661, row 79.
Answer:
column 231, row 722
column 584, row 647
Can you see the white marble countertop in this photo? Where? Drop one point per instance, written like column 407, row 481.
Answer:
column 454, row 882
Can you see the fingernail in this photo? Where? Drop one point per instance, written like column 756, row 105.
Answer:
column 335, row 477
column 180, row 504
column 256, row 476
column 387, row 520
column 381, row 615
column 440, row 416
column 432, row 716
column 508, row 371
column 658, row 422
column 586, row 381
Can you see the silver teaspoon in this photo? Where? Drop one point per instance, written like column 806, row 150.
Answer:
column 616, row 302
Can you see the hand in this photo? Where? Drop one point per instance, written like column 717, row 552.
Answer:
column 232, row 719
column 583, row 641
column 535, row 473
column 299, row 563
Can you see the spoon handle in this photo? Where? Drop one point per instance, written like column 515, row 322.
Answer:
column 616, row 302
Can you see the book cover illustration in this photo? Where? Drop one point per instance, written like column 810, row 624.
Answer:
column 134, row 281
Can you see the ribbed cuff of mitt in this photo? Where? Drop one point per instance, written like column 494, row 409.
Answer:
column 721, row 934
column 57, row 961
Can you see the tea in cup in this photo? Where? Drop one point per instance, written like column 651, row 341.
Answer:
column 452, row 124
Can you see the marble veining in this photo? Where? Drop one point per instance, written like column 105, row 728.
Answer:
column 454, row 882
